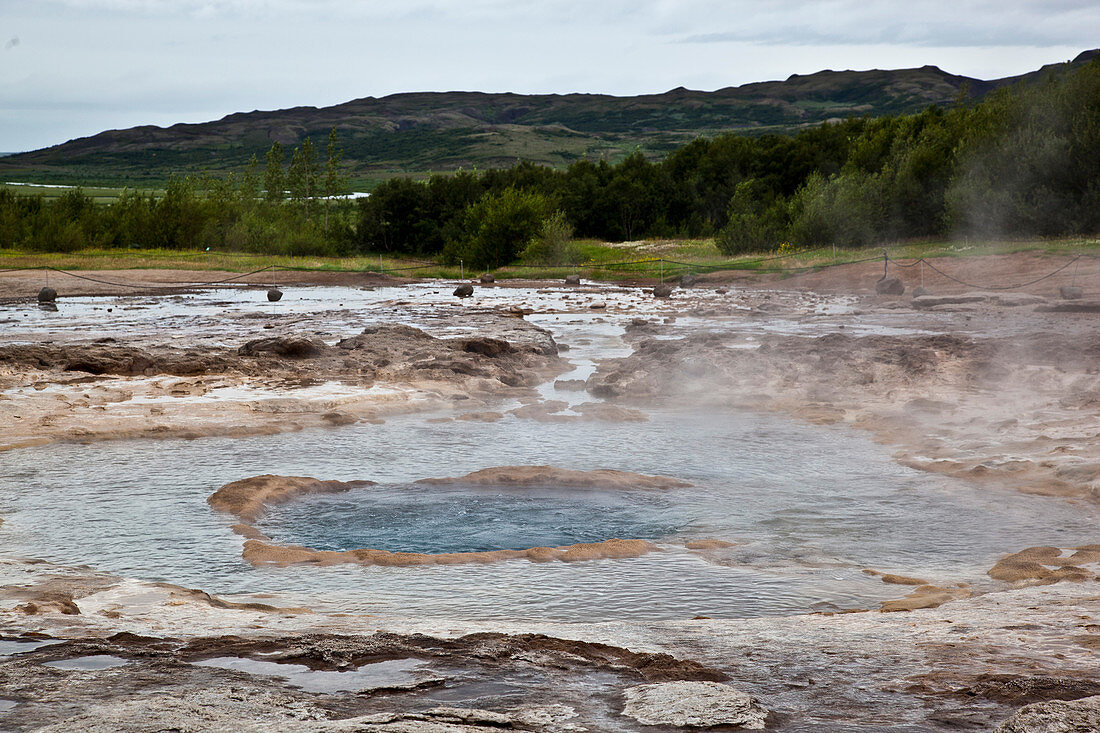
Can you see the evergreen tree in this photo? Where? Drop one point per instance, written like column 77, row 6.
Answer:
column 274, row 179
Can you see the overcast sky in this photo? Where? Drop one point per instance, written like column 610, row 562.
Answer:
column 71, row 68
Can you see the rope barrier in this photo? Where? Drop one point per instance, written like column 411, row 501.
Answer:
column 985, row 287
column 161, row 286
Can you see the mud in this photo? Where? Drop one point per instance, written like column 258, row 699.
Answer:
column 260, row 553
column 1048, row 565
column 249, row 498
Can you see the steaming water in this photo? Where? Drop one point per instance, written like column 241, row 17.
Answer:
column 809, row 507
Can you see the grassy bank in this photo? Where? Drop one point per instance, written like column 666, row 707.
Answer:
column 595, row 260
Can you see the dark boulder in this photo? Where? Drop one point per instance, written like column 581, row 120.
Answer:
column 274, row 295
column 47, row 295
column 662, row 290
column 292, row 347
column 485, row 346
column 464, row 290
column 488, row 279
column 572, row 279
column 889, row 286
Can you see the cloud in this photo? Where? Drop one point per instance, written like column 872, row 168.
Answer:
column 85, row 65
column 961, row 24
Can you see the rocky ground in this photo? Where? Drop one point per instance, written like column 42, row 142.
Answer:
column 999, row 391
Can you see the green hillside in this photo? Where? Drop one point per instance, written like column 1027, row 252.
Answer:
column 444, row 131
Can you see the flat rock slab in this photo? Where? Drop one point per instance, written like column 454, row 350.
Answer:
column 1055, row 716
column 694, row 704
column 1009, row 300
column 1075, row 306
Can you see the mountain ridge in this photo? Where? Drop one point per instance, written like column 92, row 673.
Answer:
column 415, row 132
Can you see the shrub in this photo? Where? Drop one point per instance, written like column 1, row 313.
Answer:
column 553, row 244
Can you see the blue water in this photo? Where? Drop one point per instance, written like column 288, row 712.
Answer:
column 413, row 518
column 809, row 508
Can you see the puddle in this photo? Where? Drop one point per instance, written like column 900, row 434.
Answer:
column 18, row 646
column 471, row 691
column 391, row 674
column 91, row 663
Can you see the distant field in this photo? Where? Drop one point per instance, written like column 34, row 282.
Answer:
column 99, row 194
column 651, row 259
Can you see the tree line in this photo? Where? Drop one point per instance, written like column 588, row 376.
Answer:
column 286, row 208
column 1025, row 161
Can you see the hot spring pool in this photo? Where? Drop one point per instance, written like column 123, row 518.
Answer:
column 809, row 508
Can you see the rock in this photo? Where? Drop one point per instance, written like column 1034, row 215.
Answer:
column 598, row 305
column 919, row 291
column 1068, row 292
column 464, row 290
column 572, row 279
column 889, row 286
column 570, row 385
column 931, row 301
column 687, row 280
column 47, row 295
column 662, row 290
column 1077, row 306
column 1055, row 716
column 274, row 295
column 694, row 704
column 487, row 279
column 294, row 347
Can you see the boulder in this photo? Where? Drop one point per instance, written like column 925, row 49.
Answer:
column 1055, row 716
column 293, row 347
column 274, row 295
column 889, row 286
column 1069, row 292
column 687, row 280
column 488, row 279
column 464, row 290
column 662, row 290
column 47, row 295
column 572, row 279
column 694, row 704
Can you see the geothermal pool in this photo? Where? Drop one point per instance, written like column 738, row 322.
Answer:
column 807, row 507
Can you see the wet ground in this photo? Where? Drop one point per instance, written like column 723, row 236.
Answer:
column 802, row 506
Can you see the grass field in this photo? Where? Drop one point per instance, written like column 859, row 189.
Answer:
column 596, row 260
column 99, row 194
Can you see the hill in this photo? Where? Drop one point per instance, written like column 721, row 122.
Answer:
column 441, row 131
